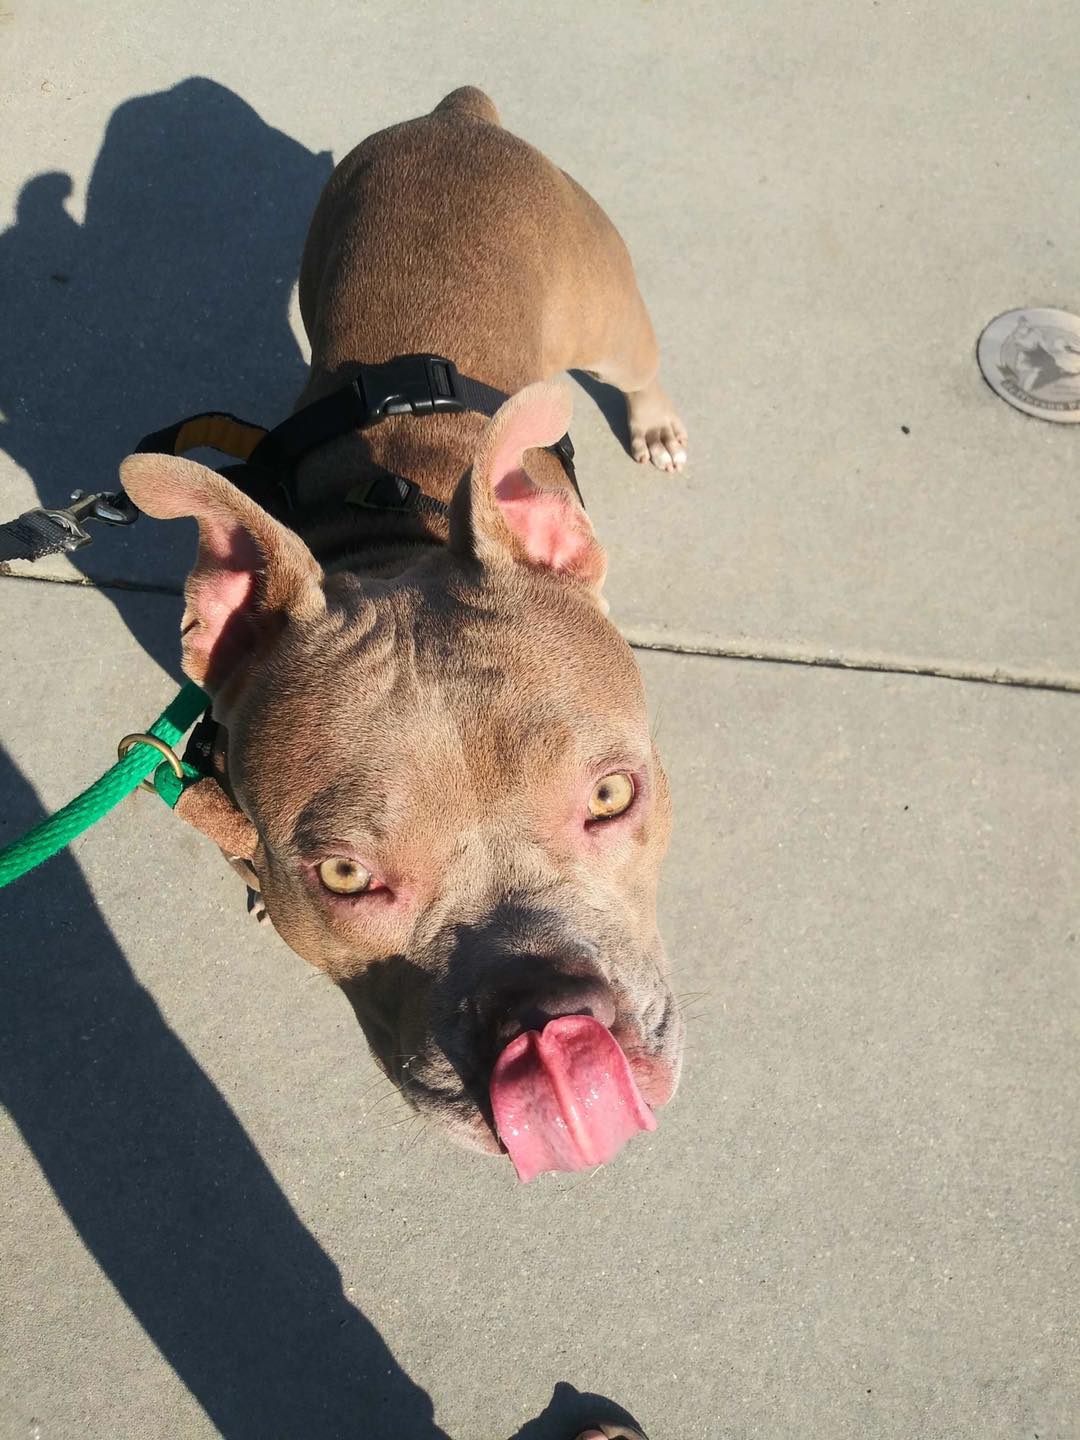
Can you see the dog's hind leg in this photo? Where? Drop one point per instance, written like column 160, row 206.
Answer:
column 615, row 340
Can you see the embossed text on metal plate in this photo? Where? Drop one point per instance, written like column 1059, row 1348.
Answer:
column 1031, row 358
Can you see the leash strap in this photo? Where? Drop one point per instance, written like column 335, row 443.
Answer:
column 33, row 535
column 53, row 834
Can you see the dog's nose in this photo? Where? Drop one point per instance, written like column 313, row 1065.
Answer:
column 530, row 1007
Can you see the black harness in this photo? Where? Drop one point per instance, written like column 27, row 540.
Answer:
column 407, row 385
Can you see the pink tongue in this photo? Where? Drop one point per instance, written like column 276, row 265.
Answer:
column 564, row 1097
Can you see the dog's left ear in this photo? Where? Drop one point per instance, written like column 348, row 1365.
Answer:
column 251, row 577
column 500, row 512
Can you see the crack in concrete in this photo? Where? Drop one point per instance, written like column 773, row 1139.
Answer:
column 706, row 648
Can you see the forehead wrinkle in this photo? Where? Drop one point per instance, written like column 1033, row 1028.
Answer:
column 349, row 805
column 416, row 712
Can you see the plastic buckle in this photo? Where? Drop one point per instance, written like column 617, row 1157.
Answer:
column 384, row 492
column 564, row 449
column 408, row 385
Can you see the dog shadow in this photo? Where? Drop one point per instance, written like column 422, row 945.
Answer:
column 170, row 296
column 610, row 402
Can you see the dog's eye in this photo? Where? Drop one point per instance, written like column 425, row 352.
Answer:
column 344, row 876
column 611, row 796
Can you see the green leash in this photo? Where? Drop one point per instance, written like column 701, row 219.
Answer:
column 141, row 758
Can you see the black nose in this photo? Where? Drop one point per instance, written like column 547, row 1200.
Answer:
column 529, row 1003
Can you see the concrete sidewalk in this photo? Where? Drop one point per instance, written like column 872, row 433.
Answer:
column 859, row 1217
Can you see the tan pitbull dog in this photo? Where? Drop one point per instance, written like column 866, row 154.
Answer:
column 438, row 742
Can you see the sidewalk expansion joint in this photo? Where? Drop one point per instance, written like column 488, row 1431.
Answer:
column 773, row 654
column 766, row 653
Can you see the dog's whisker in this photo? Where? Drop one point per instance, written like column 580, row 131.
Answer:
column 687, row 997
column 583, row 1179
column 372, row 1088
column 410, row 1129
column 410, row 1142
column 387, row 1125
column 394, row 1090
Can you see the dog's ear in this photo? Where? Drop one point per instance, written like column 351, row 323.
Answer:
column 499, row 510
column 251, row 574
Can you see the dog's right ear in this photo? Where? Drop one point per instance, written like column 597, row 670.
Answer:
column 251, row 575
column 500, row 513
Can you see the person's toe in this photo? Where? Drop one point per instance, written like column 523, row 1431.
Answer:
column 610, row 1432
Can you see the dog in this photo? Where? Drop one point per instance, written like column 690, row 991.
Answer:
column 437, row 743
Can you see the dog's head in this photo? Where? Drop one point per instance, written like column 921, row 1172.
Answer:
column 457, row 810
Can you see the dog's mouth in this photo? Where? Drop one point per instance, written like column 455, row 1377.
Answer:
column 565, row 1097
column 562, row 1098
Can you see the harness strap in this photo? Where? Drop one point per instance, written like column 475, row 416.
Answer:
column 407, row 385
column 229, row 435
column 216, row 429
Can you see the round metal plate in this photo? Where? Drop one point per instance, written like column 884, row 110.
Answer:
column 1031, row 358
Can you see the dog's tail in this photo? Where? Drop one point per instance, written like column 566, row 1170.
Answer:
column 468, row 100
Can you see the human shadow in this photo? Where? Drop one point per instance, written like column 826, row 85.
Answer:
column 169, row 297
column 165, row 1188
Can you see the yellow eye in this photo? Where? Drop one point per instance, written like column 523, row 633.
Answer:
column 611, row 796
column 344, row 876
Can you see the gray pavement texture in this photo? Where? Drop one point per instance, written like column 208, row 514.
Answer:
column 859, row 1216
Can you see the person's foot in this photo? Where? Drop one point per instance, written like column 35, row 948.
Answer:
column 610, row 1432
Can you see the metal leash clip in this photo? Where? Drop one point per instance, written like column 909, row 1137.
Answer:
column 110, row 509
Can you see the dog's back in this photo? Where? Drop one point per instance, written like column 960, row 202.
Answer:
column 448, row 234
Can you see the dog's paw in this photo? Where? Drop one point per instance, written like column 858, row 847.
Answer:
column 656, row 432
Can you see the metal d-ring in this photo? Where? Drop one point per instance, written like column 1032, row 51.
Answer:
column 141, row 738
